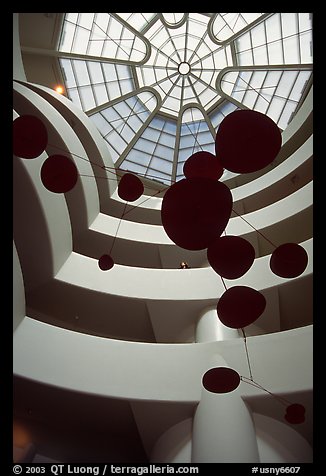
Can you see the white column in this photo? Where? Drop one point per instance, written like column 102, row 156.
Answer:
column 223, row 430
column 210, row 328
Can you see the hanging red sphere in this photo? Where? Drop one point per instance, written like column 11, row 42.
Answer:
column 30, row 137
column 240, row 306
column 295, row 414
column 247, row 141
column 221, row 380
column 203, row 165
column 195, row 211
column 230, row 256
column 59, row 174
column 288, row 260
column 130, row 187
column 105, row 262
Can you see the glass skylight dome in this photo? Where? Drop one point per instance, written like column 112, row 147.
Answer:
column 157, row 85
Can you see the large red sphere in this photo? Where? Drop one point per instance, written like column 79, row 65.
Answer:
column 221, row 380
column 240, row 306
column 230, row 256
column 247, row 141
column 203, row 165
column 30, row 137
column 289, row 260
column 130, row 187
column 59, row 174
column 295, row 413
column 195, row 211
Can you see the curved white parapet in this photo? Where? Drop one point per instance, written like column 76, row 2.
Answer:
column 107, row 190
column 281, row 362
column 296, row 133
column 19, row 311
column 298, row 121
column 82, row 200
column 270, row 216
column 18, row 66
column 88, row 134
column 165, row 284
column 43, row 246
column 270, row 183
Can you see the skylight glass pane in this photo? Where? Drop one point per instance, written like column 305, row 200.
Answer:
column 173, row 18
column 74, row 96
column 81, row 73
column 68, row 73
column 102, row 124
column 280, row 36
column 226, row 25
column 80, row 42
column 137, row 20
column 267, row 91
column 87, row 97
column 86, row 20
column 134, row 167
column 146, row 146
column 160, row 143
column 100, row 93
column 125, row 119
column 95, row 72
column 161, row 165
column 139, row 156
column 299, row 84
column 286, row 114
column 306, row 47
column 195, row 135
column 67, row 37
column 103, row 34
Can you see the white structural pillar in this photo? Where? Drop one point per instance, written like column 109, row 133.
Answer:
column 223, row 428
column 210, row 328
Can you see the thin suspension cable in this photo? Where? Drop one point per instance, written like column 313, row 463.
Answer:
column 275, row 246
column 224, row 283
column 247, row 354
column 145, row 200
column 116, row 234
column 112, row 170
column 282, row 400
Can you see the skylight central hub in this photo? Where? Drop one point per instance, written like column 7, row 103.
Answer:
column 184, row 68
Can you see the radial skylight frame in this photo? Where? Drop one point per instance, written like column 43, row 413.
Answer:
column 187, row 70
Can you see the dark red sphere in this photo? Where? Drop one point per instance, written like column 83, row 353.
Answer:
column 288, row 260
column 130, row 187
column 247, row 141
column 195, row 211
column 240, row 306
column 221, row 380
column 30, row 137
column 203, row 165
column 59, row 174
column 295, row 414
column 230, row 256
